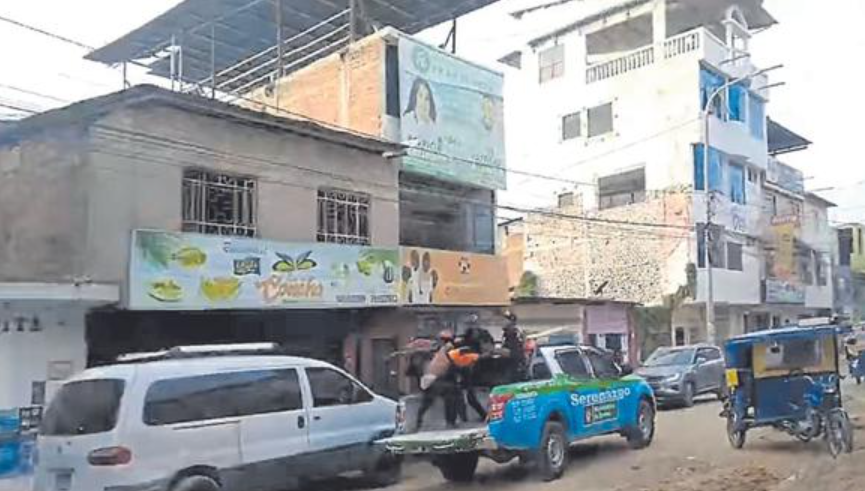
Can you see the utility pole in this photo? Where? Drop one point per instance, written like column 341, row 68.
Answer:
column 711, row 329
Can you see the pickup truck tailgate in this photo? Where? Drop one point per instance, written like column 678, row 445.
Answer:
column 440, row 442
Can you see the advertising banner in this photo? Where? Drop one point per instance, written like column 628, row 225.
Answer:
column 783, row 284
column 433, row 277
column 452, row 117
column 178, row 271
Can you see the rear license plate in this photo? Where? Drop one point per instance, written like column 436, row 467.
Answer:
column 63, row 481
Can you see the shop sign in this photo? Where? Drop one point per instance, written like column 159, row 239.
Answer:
column 178, row 271
column 780, row 291
column 434, row 277
column 452, row 116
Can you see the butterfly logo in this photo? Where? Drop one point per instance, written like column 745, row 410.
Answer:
column 287, row 264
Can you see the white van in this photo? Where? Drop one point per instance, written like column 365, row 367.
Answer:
column 212, row 418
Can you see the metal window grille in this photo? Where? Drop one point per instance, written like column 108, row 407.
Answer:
column 551, row 63
column 219, row 204
column 343, row 217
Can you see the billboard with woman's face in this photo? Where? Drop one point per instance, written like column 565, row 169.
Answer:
column 452, row 117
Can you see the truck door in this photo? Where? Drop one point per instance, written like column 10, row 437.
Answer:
column 572, row 363
column 613, row 406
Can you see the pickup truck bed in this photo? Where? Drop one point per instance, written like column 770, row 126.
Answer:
column 436, row 442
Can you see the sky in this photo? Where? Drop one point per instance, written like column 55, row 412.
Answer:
column 819, row 43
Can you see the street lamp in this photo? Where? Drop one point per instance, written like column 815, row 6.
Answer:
column 711, row 331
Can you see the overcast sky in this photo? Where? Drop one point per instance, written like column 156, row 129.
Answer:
column 820, row 46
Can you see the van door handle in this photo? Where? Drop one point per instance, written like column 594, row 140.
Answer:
column 316, row 418
column 301, row 422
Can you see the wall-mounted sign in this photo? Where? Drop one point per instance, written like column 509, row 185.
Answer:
column 783, row 284
column 433, row 277
column 780, row 291
column 177, row 271
column 452, row 116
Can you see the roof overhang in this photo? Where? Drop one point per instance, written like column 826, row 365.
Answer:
column 783, row 140
column 222, row 35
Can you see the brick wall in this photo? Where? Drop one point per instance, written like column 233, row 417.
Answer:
column 586, row 259
column 344, row 89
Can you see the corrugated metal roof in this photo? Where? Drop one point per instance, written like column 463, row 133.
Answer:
column 243, row 28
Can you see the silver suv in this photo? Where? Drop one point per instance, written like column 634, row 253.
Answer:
column 679, row 374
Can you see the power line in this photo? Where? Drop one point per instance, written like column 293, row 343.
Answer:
column 34, row 93
column 46, row 33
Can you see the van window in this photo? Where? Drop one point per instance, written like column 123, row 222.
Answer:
column 572, row 364
column 222, row 395
column 331, row 388
column 84, row 408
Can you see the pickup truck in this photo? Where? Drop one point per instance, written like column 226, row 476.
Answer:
column 575, row 393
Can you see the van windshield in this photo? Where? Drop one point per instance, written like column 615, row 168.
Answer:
column 84, row 408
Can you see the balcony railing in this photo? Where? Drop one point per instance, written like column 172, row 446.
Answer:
column 613, row 68
column 673, row 47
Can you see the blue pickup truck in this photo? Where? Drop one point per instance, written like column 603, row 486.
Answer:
column 576, row 392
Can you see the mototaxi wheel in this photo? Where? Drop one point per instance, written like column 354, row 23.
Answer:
column 735, row 435
column 839, row 433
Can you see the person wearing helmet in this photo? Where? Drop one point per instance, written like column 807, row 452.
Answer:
column 514, row 347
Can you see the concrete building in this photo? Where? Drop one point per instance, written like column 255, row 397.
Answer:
column 448, row 113
column 148, row 218
column 610, row 99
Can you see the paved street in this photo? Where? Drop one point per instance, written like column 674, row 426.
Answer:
column 690, row 453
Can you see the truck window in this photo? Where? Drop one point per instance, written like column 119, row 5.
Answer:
column 541, row 371
column 602, row 365
column 573, row 364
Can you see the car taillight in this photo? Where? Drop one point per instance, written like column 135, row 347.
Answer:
column 498, row 402
column 110, row 456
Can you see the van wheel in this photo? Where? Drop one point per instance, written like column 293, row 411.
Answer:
column 196, row 483
column 552, row 456
column 387, row 473
column 459, row 467
column 643, row 431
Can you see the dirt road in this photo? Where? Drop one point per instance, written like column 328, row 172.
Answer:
column 690, row 453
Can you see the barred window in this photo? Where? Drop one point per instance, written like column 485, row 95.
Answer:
column 343, row 217
column 219, row 204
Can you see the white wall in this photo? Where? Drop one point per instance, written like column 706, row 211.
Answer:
column 25, row 357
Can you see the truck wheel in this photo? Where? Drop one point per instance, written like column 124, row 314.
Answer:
column 196, row 483
column 643, row 432
column 459, row 467
column 552, row 456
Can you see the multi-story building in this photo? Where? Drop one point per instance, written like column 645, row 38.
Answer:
column 149, row 218
column 611, row 101
column 448, row 113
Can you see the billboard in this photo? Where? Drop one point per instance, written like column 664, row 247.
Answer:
column 433, row 277
column 178, row 271
column 783, row 284
column 452, row 117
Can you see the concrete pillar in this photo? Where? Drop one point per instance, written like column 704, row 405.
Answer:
column 659, row 22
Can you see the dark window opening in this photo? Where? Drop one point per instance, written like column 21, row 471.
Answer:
column 734, row 256
column 551, row 63
column 622, row 189
column 600, row 119
column 343, row 217
column 571, row 126
column 392, row 80
column 717, row 253
column 219, row 204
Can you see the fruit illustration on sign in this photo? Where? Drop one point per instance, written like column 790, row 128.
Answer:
column 288, row 264
column 190, row 257
column 166, row 291
column 220, row 289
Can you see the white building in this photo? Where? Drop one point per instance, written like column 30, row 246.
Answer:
column 610, row 98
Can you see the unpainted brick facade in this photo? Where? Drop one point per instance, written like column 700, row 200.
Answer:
column 598, row 258
column 345, row 89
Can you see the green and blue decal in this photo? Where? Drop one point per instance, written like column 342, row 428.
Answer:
column 586, row 407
